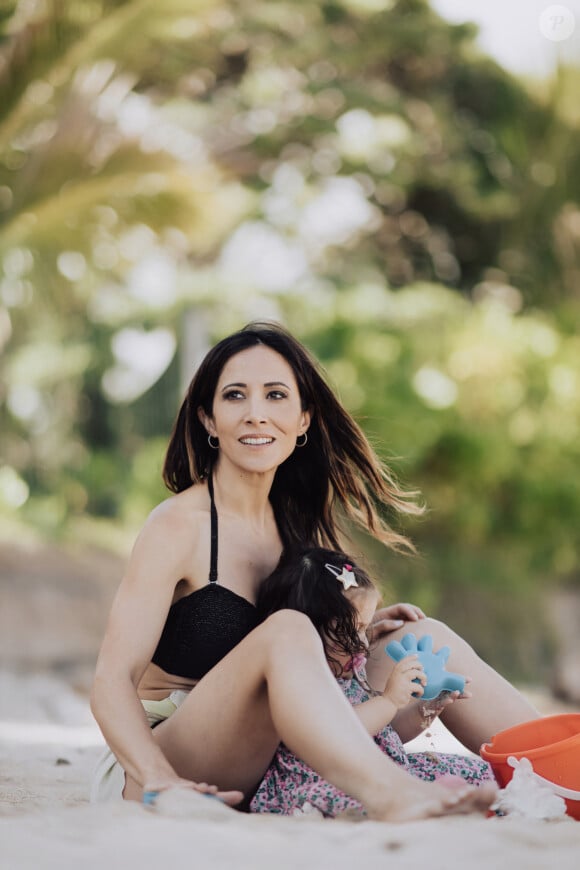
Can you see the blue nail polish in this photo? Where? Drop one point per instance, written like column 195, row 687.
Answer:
column 149, row 797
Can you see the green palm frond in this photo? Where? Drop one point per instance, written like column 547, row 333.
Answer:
column 51, row 46
column 62, row 154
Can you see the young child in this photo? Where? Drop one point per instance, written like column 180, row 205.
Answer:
column 341, row 599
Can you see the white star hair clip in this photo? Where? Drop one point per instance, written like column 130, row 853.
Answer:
column 344, row 575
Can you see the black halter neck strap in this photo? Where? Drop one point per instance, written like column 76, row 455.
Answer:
column 214, row 533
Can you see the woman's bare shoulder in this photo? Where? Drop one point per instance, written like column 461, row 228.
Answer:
column 182, row 508
column 175, row 522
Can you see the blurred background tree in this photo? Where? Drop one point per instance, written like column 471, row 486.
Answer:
column 357, row 169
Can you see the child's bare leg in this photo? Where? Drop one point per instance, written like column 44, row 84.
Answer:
column 495, row 704
column 276, row 685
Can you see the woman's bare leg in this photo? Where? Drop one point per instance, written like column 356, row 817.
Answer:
column 495, row 704
column 276, row 685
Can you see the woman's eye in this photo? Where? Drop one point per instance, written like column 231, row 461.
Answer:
column 233, row 394
column 277, row 394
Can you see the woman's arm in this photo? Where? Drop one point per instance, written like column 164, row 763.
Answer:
column 159, row 560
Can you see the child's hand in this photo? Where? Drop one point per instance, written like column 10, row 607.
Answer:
column 438, row 679
column 401, row 687
column 430, row 710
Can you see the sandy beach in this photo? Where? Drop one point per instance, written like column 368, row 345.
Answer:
column 49, row 743
column 53, row 607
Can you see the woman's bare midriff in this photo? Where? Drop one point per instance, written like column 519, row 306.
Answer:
column 156, row 684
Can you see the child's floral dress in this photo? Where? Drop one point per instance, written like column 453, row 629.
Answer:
column 290, row 786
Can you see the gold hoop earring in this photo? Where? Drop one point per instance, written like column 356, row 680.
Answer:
column 213, row 446
column 302, row 443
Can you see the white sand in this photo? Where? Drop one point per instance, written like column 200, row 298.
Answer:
column 48, row 744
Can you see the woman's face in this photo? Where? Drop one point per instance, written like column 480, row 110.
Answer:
column 257, row 410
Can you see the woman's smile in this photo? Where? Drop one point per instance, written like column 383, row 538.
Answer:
column 256, row 440
column 257, row 409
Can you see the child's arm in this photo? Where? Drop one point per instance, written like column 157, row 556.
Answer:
column 381, row 710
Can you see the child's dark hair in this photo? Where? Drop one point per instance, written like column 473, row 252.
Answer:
column 302, row 582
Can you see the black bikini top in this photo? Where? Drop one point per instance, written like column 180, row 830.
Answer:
column 204, row 626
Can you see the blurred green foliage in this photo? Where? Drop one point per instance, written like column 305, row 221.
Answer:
column 357, row 169
column 481, row 407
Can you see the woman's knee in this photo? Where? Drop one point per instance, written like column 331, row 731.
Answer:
column 435, row 627
column 291, row 627
column 441, row 633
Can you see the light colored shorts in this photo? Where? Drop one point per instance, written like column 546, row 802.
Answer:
column 108, row 780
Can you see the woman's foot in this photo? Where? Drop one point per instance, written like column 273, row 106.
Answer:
column 448, row 796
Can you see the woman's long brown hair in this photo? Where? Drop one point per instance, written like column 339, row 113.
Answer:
column 336, row 469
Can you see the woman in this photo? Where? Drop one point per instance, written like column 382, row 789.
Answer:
column 189, row 690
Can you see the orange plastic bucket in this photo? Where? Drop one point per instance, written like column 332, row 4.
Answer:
column 552, row 745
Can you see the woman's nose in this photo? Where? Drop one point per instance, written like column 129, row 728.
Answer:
column 256, row 412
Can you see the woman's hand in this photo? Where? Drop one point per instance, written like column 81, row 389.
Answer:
column 152, row 788
column 401, row 687
column 390, row 618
